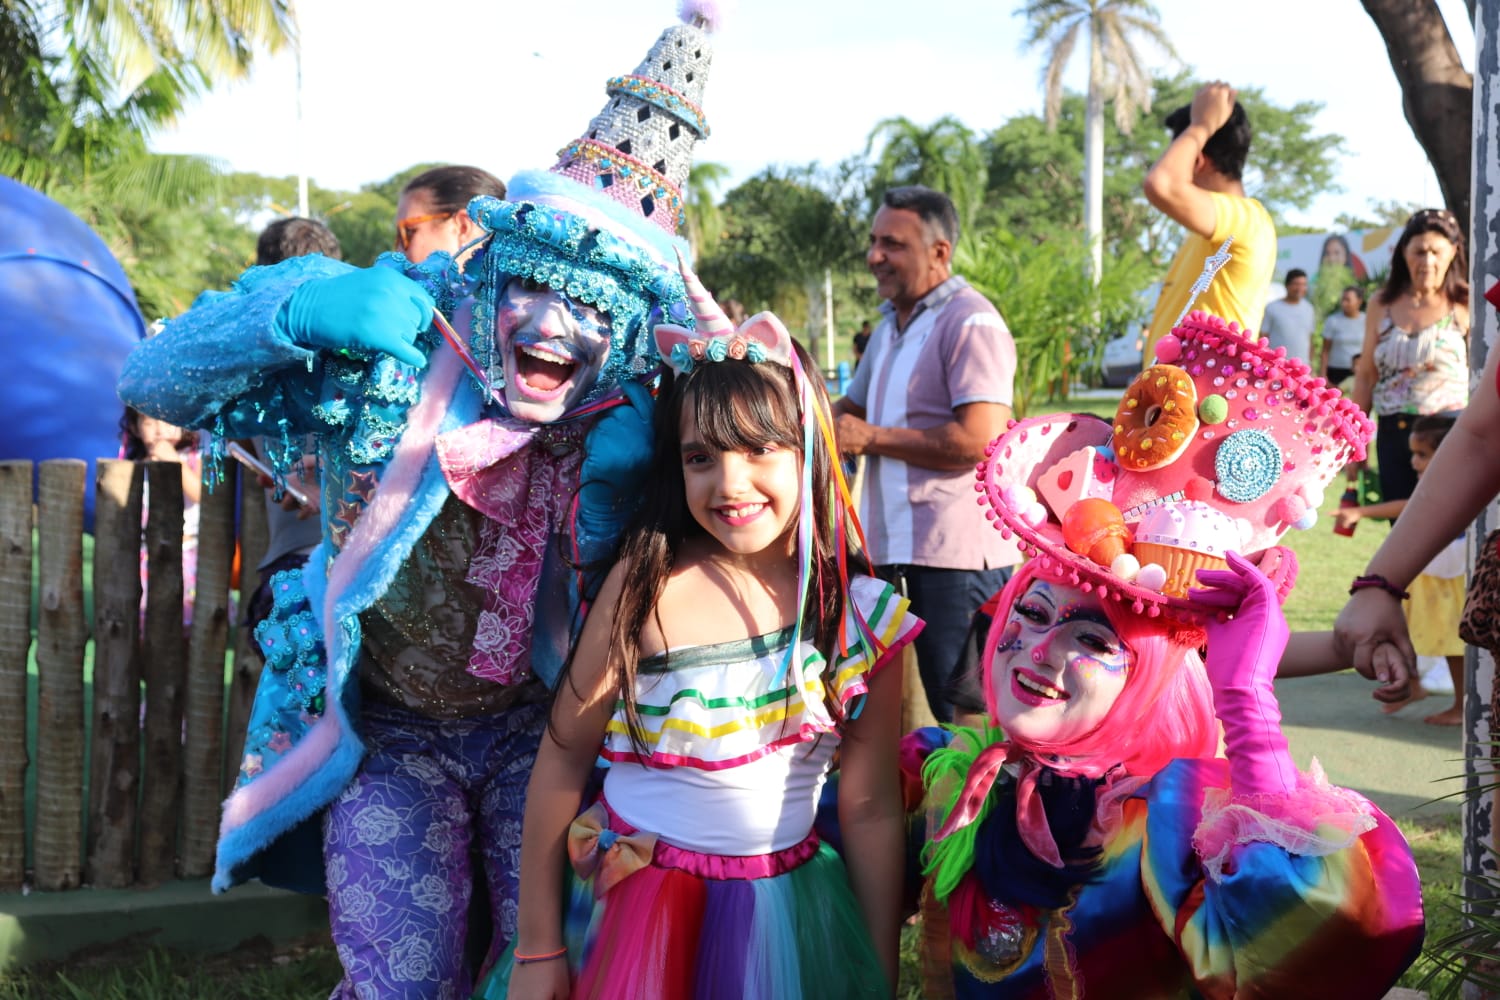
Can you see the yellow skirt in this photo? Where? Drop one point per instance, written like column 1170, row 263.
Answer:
column 1432, row 615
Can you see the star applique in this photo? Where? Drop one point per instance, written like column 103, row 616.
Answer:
column 362, row 484
column 348, row 513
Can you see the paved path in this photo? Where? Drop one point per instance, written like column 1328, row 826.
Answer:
column 1397, row 760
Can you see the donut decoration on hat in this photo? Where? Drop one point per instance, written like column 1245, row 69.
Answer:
column 1156, row 419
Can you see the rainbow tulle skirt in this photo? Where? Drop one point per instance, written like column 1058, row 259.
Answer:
column 690, row 926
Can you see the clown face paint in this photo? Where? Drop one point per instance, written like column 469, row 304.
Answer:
column 551, row 348
column 1058, row 665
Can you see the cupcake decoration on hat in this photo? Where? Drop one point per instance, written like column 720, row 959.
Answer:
column 1221, row 445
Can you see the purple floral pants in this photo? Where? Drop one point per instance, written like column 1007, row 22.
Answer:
column 397, row 846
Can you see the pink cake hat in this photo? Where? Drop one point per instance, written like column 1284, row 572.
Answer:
column 1223, row 443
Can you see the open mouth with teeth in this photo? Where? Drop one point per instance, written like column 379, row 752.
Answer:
column 1032, row 689
column 543, row 374
column 1138, row 511
column 741, row 514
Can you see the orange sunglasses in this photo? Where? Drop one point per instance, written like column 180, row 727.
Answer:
column 406, row 228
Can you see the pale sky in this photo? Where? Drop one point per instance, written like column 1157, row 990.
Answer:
column 504, row 85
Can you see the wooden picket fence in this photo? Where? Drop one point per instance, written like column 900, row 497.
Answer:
column 124, row 796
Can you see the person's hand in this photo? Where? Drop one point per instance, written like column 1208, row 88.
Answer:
column 1391, row 671
column 1371, row 623
column 1212, row 105
column 163, row 450
column 1244, row 650
column 540, row 981
column 617, row 458
column 854, row 435
column 1243, row 653
column 373, row 309
column 1346, row 517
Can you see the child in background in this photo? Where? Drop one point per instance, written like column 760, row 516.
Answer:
column 146, row 439
column 1437, row 595
column 733, row 649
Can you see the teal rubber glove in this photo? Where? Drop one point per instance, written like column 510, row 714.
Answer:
column 1243, row 653
column 616, row 460
column 373, row 309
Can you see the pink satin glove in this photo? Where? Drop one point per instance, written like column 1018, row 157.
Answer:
column 1243, row 653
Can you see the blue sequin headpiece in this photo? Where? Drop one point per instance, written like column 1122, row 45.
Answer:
column 588, row 263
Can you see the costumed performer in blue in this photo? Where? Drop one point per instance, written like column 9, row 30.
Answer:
column 1091, row 841
column 469, row 481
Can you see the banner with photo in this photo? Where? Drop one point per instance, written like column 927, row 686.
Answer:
column 1365, row 252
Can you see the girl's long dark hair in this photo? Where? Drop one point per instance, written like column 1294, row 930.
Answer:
column 737, row 405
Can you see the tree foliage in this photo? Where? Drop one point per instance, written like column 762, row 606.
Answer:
column 1059, row 320
column 945, row 156
column 1118, row 28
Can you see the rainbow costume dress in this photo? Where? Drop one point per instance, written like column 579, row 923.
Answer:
column 707, row 877
column 1172, row 888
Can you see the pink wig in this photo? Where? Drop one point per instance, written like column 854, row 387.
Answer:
column 1164, row 712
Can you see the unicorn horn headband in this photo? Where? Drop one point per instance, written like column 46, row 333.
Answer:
column 763, row 337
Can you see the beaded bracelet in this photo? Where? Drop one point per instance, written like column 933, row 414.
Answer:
column 1376, row 580
column 521, row 959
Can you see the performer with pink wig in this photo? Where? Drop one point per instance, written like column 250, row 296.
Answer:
column 1090, row 841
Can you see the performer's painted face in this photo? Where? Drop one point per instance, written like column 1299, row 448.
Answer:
column 552, row 349
column 1058, row 666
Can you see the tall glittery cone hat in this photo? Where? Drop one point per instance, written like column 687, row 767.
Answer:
column 601, row 224
column 639, row 149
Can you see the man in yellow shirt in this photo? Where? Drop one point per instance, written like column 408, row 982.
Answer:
column 1197, row 183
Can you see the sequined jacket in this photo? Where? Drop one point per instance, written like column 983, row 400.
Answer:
column 222, row 366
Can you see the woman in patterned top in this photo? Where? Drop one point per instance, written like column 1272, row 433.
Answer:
column 1415, row 359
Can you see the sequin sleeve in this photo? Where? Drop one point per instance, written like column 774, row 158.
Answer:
column 223, row 359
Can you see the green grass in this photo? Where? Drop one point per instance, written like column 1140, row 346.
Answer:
column 250, row 973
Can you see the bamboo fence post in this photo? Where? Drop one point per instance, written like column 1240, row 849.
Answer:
column 61, row 634
column 203, row 764
column 115, row 772
column 245, row 677
column 164, row 668
column 16, row 514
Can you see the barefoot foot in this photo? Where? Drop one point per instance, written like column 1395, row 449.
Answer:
column 1448, row 717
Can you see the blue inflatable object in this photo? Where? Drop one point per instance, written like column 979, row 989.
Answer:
column 67, row 319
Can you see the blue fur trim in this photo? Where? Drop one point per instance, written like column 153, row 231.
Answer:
column 528, row 184
column 238, row 848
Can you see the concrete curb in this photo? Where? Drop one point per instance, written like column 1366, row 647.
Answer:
column 45, row 927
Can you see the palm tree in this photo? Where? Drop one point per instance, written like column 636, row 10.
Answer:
column 1116, row 74
column 705, row 223
column 945, row 156
column 69, row 68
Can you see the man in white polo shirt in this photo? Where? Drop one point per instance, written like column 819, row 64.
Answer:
column 933, row 389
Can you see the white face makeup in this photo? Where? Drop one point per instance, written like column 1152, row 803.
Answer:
column 1058, row 666
column 552, row 349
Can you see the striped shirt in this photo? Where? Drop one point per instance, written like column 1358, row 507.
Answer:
column 955, row 350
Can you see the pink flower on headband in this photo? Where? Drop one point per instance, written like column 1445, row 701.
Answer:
column 738, row 348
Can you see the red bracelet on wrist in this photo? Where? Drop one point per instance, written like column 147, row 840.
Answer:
column 521, row 959
column 1380, row 583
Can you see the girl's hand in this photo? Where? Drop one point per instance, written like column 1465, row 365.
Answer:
column 1347, row 517
column 540, row 981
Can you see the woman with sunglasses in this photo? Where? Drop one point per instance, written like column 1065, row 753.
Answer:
column 431, row 214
